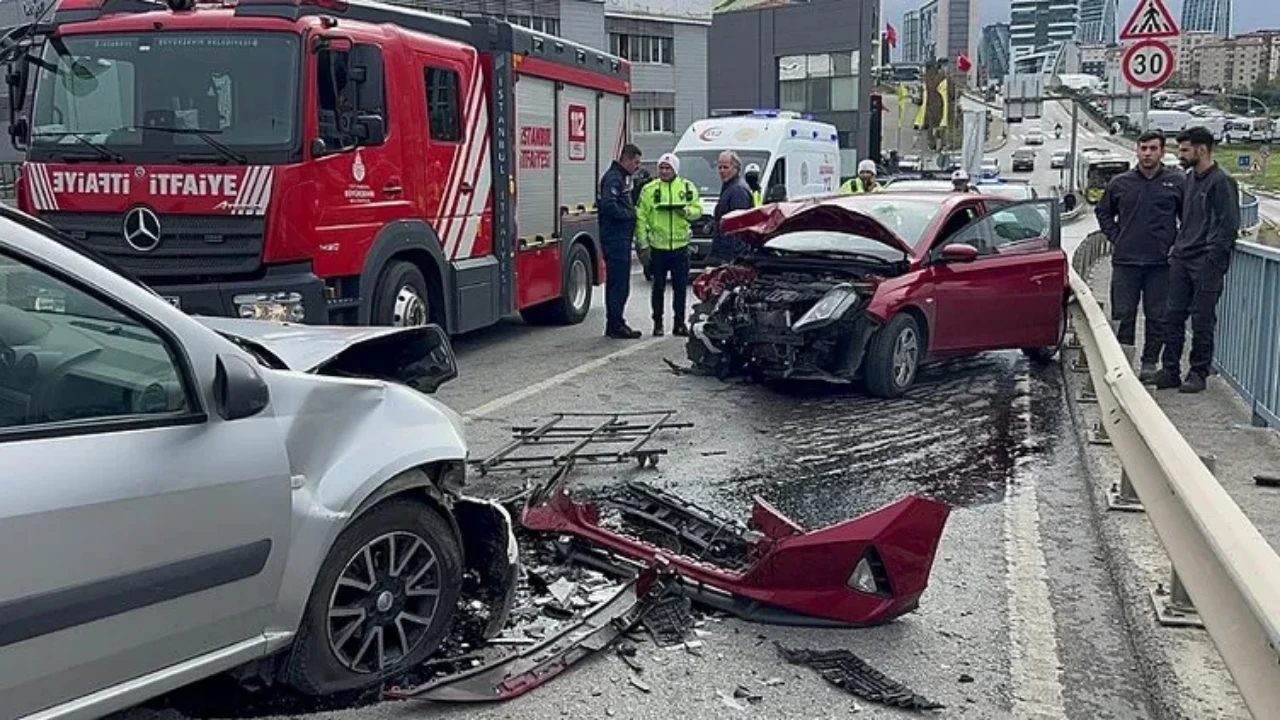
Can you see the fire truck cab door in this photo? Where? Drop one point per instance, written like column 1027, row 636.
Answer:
column 360, row 186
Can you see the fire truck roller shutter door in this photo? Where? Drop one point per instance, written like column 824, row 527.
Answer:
column 416, row 242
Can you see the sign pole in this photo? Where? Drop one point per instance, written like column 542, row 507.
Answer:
column 1071, row 159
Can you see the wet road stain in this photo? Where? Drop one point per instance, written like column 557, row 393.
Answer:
column 957, row 437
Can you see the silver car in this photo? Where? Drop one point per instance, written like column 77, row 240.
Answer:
column 186, row 496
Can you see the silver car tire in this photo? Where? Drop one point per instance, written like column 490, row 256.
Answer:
column 404, row 610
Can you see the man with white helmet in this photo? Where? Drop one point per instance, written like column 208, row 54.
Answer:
column 865, row 182
column 752, row 176
column 960, row 181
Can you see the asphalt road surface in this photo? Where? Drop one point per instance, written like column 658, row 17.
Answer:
column 1020, row 620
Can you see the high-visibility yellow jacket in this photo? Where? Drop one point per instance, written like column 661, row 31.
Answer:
column 757, row 198
column 666, row 209
column 855, row 185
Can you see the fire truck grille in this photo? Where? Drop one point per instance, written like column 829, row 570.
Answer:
column 189, row 245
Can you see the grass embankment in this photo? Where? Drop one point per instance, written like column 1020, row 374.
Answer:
column 1228, row 157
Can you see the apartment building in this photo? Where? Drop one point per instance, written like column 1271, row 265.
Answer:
column 665, row 40
column 1238, row 63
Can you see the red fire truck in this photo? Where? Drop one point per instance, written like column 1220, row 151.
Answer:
column 325, row 161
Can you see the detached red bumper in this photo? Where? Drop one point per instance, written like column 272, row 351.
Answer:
column 863, row 571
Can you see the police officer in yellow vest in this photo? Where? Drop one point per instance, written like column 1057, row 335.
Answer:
column 667, row 205
column 865, row 182
column 752, row 176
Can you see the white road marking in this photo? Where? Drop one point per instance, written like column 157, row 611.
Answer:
column 1035, row 667
column 512, row 398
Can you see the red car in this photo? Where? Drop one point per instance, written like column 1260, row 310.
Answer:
column 875, row 285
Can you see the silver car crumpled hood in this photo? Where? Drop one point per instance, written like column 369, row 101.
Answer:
column 418, row 357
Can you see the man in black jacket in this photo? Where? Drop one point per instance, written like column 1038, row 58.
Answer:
column 617, row 217
column 1198, row 261
column 734, row 195
column 1139, row 214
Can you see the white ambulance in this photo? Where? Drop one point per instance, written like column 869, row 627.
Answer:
column 798, row 158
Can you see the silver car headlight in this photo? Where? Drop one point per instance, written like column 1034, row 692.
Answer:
column 829, row 309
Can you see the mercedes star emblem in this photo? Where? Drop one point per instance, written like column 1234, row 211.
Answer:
column 142, row 229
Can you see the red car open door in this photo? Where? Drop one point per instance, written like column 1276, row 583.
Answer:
column 1011, row 295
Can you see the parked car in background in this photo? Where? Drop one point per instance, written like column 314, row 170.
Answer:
column 909, row 163
column 1024, row 159
column 186, row 496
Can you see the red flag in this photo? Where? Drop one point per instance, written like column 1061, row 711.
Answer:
column 963, row 64
column 891, row 34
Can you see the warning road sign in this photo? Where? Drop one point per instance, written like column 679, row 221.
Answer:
column 1150, row 20
column 1147, row 64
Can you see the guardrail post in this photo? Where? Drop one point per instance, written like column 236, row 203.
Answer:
column 1098, row 433
column 1122, row 497
column 1174, row 607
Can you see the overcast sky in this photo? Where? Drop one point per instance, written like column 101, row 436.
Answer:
column 1249, row 14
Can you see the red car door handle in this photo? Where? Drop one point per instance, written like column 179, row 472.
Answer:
column 392, row 188
column 465, row 188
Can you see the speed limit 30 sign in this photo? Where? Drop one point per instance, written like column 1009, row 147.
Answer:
column 1147, row 64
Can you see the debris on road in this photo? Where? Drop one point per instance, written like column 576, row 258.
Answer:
column 587, row 444
column 864, row 571
column 594, row 573
column 512, row 675
column 1266, row 480
column 852, row 674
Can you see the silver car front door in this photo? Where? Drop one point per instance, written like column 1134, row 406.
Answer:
column 141, row 532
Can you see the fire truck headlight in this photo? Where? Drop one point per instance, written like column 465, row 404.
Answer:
column 279, row 306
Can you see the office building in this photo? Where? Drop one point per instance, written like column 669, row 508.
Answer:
column 665, row 40
column 947, row 29
column 1037, row 27
column 813, row 57
column 1098, row 22
column 1212, row 16
column 993, row 51
column 912, row 46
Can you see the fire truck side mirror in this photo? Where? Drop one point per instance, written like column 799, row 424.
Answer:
column 18, row 132
column 16, row 79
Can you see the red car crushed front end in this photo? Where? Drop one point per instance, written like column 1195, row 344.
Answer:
column 864, row 571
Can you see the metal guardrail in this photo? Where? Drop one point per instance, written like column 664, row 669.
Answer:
column 1248, row 338
column 1248, row 210
column 1219, row 558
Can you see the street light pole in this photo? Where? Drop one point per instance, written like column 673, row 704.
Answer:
column 1071, row 159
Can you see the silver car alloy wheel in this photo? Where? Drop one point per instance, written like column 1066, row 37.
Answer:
column 906, row 355
column 410, row 309
column 383, row 603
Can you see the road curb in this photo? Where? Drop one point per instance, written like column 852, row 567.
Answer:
column 1135, row 560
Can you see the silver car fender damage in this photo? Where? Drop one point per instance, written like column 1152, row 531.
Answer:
column 355, row 443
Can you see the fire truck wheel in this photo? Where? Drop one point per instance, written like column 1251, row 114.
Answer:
column 402, row 298
column 574, row 302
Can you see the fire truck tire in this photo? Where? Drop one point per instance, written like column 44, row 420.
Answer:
column 574, row 302
column 402, row 298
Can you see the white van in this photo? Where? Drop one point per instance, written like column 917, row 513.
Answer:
column 797, row 156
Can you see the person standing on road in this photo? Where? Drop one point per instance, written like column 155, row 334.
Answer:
column 1139, row 213
column 960, row 182
column 667, row 206
column 865, row 181
column 752, row 176
column 617, row 216
column 734, row 195
column 1199, row 260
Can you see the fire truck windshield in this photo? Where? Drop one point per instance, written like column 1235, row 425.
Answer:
column 168, row 97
